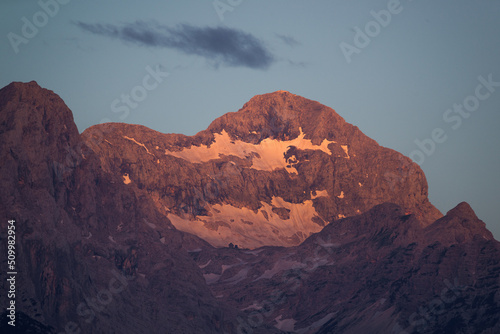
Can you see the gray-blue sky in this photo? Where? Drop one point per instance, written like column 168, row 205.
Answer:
column 397, row 88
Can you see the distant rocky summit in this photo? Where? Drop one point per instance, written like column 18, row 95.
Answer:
column 273, row 173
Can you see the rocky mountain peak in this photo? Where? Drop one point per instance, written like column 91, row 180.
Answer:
column 460, row 224
column 272, row 173
column 38, row 127
column 20, row 91
column 463, row 210
column 280, row 115
column 29, row 107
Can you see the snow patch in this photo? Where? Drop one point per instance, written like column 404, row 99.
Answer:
column 346, row 150
column 268, row 155
column 153, row 226
column 126, row 179
column 254, row 252
column 286, row 325
column 226, row 267
column 341, row 194
column 254, row 306
column 140, row 144
column 320, row 193
column 204, row 265
column 211, row 278
column 224, row 224
column 328, row 245
column 240, row 276
column 316, row 325
column 279, row 266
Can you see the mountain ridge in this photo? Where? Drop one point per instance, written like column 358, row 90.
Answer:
column 252, row 158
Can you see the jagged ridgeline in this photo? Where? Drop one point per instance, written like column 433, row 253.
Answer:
column 272, row 173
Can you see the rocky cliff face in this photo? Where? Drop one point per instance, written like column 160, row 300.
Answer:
column 273, row 173
column 101, row 221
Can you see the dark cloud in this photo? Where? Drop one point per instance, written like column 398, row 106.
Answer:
column 221, row 45
column 288, row 40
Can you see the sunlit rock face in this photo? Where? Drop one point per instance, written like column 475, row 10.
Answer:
column 272, row 173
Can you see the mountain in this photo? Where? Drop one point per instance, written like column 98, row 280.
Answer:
column 273, row 173
column 124, row 229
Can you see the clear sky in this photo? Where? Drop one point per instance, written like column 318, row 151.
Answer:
column 402, row 71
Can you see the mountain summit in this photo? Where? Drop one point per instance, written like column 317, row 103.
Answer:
column 272, row 173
